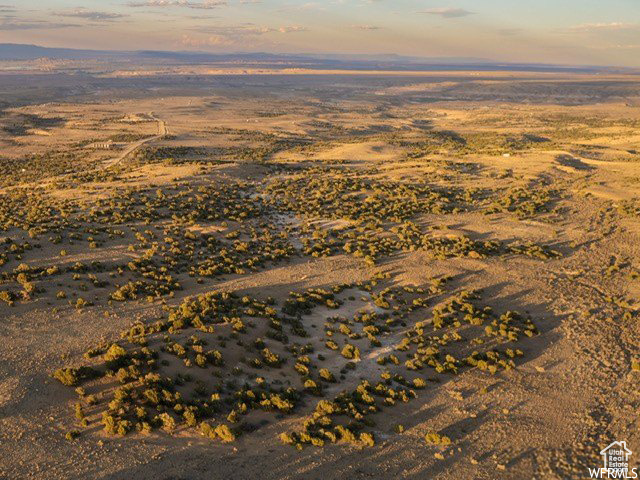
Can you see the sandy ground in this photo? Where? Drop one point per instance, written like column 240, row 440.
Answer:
column 573, row 393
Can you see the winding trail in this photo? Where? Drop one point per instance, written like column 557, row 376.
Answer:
column 162, row 132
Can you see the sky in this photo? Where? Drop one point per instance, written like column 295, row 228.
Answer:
column 574, row 32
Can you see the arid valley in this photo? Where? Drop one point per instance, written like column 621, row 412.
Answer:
column 318, row 275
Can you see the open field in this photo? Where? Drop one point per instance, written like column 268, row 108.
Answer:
column 318, row 276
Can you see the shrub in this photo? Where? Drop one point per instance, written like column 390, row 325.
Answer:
column 7, row 297
column 437, row 439
column 115, row 352
column 325, row 374
column 167, row 421
column 367, row 439
column 72, row 376
column 224, row 433
column 351, row 352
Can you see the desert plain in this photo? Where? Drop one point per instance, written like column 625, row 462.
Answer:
column 319, row 276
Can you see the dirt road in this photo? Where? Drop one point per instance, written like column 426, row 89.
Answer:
column 162, row 132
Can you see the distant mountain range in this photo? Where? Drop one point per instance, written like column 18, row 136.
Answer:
column 10, row 51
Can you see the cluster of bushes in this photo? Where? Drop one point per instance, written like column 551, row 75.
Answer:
column 149, row 397
column 379, row 215
column 170, row 248
column 346, row 418
column 179, row 373
column 458, row 323
column 34, row 167
column 34, row 212
column 343, row 196
column 239, row 256
column 160, row 286
column 182, row 203
column 303, row 303
column 12, row 250
column 372, row 244
column 450, row 142
column 524, row 202
column 151, row 155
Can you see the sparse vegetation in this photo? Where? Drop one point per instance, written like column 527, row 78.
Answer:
column 376, row 274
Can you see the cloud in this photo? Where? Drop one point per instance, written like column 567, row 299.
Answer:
column 448, row 12
column 595, row 27
column 248, row 30
column 90, row 15
column 238, row 35
column 292, row 29
column 210, row 41
column 303, row 7
column 8, row 24
column 616, row 47
column 201, row 16
column 627, row 47
column 204, row 5
column 366, row 27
